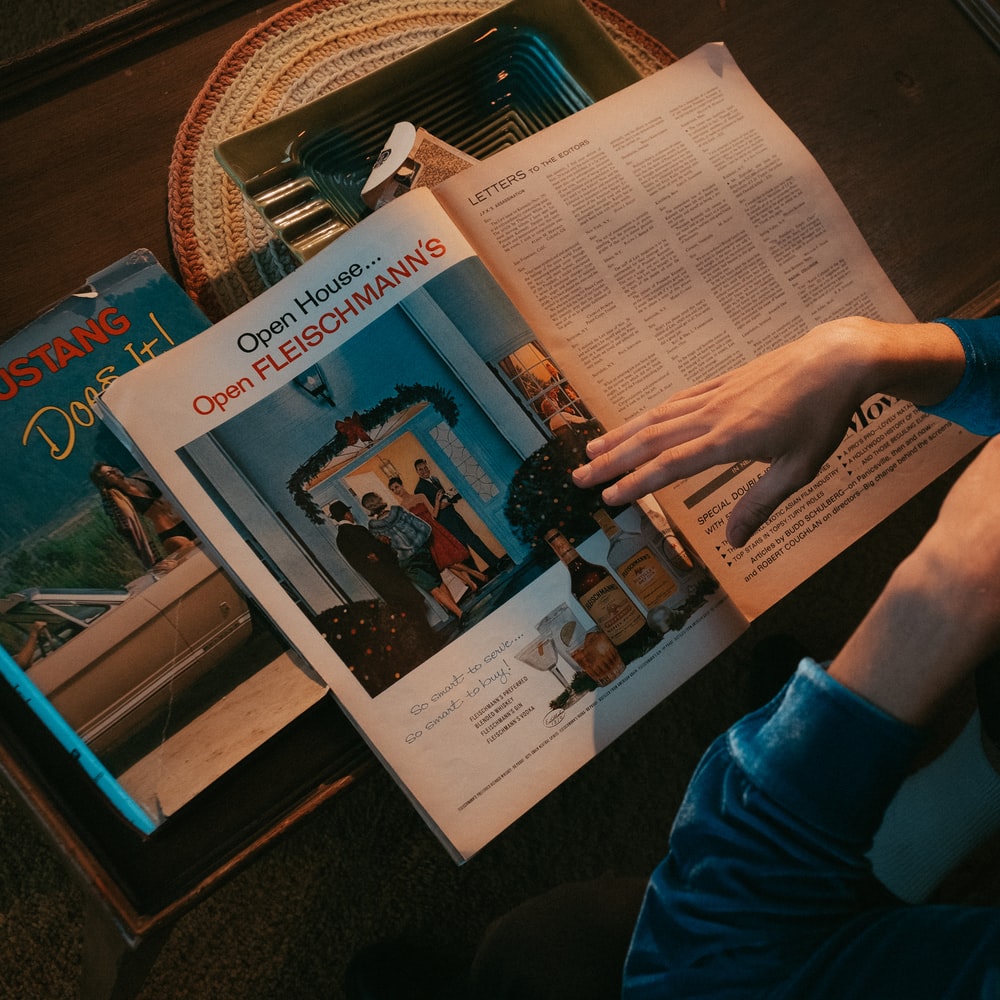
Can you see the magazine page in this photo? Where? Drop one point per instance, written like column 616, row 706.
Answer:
column 133, row 646
column 365, row 448
column 672, row 232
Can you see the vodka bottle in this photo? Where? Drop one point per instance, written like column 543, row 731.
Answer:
column 643, row 568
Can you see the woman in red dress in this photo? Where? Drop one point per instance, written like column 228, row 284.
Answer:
column 448, row 552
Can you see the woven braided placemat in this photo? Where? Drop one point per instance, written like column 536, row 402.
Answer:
column 225, row 253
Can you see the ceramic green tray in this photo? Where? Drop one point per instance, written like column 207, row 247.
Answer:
column 481, row 87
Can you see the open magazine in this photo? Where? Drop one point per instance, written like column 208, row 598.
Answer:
column 379, row 446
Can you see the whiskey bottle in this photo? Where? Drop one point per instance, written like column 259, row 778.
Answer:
column 647, row 575
column 605, row 600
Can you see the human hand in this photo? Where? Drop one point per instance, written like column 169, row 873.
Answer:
column 789, row 408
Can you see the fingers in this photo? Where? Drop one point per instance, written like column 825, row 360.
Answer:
column 671, row 416
column 785, row 477
column 646, row 466
column 636, row 458
column 746, row 518
column 661, row 454
column 648, row 448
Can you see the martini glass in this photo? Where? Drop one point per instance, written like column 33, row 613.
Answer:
column 586, row 649
column 541, row 653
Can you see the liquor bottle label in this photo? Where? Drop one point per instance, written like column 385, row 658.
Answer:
column 647, row 578
column 611, row 608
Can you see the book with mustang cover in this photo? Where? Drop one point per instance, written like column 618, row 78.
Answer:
column 120, row 631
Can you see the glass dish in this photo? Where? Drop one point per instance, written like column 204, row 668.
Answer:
column 481, row 87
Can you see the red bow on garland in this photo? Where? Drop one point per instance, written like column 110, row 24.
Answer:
column 352, row 429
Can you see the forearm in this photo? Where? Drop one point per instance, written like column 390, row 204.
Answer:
column 950, row 367
column 939, row 615
column 912, row 648
column 919, row 362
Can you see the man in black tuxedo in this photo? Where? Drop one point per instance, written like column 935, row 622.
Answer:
column 443, row 504
column 375, row 561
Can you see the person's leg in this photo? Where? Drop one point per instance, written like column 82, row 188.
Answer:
column 412, row 965
column 465, row 575
column 442, row 595
column 568, row 944
column 423, row 572
column 766, row 890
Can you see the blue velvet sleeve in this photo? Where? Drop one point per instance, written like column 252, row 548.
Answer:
column 975, row 403
column 765, row 891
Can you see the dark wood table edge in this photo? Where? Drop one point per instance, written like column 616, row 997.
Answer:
column 35, row 75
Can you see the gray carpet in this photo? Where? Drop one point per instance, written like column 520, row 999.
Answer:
column 365, row 867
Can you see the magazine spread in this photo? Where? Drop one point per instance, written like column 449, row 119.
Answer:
column 125, row 637
column 379, row 446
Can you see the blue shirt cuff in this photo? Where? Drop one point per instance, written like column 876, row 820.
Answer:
column 975, row 403
column 819, row 731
